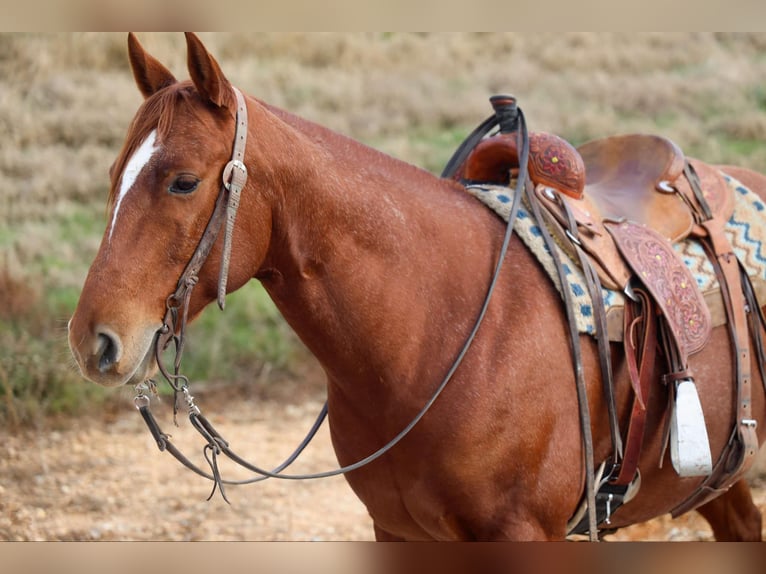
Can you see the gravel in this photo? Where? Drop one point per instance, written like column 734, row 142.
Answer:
column 101, row 477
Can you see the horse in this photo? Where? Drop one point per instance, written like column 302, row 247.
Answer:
column 381, row 268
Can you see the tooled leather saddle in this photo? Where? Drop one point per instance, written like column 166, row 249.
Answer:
column 617, row 205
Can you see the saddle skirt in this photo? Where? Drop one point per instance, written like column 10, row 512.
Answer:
column 746, row 230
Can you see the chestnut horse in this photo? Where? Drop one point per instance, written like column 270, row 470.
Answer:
column 381, row 269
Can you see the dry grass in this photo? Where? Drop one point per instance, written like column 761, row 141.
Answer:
column 66, row 101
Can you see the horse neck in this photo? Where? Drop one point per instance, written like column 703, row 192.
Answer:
column 368, row 255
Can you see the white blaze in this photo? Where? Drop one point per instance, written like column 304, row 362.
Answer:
column 133, row 168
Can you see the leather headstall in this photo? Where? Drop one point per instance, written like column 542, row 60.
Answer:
column 508, row 116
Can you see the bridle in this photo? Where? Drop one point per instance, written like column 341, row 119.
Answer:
column 508, row 117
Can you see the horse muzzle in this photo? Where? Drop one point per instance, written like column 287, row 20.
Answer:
column 109, row 359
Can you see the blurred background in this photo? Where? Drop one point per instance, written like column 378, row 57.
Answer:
column 65, row 104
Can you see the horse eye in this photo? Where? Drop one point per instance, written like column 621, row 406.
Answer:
column 184, row 184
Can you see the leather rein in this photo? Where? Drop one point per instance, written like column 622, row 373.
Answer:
column 508, row 117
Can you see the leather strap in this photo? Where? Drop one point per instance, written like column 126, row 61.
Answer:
column 234, row 179
column 593, row 284
column 757, row 323
column 204, row 246
column 731, row 290
column 582, row 394
column 639, row 319
column 740, row 451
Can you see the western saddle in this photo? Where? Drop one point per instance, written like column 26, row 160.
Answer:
column 617, row 205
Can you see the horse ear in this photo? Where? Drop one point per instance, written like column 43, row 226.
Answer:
column 150, row 75
column 206, row 73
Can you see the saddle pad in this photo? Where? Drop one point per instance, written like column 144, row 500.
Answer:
column 746, row 230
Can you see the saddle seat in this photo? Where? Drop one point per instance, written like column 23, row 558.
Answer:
column 630, row 177
column 638, row 178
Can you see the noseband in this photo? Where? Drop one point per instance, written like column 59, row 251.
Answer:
column 509, row 118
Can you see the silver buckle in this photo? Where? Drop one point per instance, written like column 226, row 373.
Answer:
column 229, row 176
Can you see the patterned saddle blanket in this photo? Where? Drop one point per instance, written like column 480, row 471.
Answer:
column 746, row 229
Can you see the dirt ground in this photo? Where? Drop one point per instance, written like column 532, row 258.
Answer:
column 101, row 477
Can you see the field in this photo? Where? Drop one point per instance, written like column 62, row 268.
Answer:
column 65, row 104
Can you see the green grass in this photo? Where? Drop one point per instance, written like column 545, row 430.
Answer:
column 431, row 147
column 743, row 147
column 247, row 339
column 37, row 377
column 759, row 95
column 248, row 342
column 436, row 147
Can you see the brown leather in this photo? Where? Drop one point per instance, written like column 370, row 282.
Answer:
column 596, row 241
column 640, row 197
column 644, row 248
column 672, row 285
column 715, row 190
column 555, row 162
column 552, row 161
column 593, row 286
column 739, row 453
column 641, row 373
column 736, row 306
column 635, row 177
column 623, row 178
column 234, row 180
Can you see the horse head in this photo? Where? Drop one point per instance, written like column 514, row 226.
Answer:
column 164, row 186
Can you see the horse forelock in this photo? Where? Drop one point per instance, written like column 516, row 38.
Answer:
column 156, row 113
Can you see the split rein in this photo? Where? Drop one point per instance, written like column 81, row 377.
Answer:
column 508, row 117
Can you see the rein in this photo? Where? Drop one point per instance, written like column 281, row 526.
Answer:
column 507, row 116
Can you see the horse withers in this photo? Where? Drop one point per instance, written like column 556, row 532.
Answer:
column 381, row 268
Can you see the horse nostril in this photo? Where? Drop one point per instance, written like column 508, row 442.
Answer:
column 108, row 352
